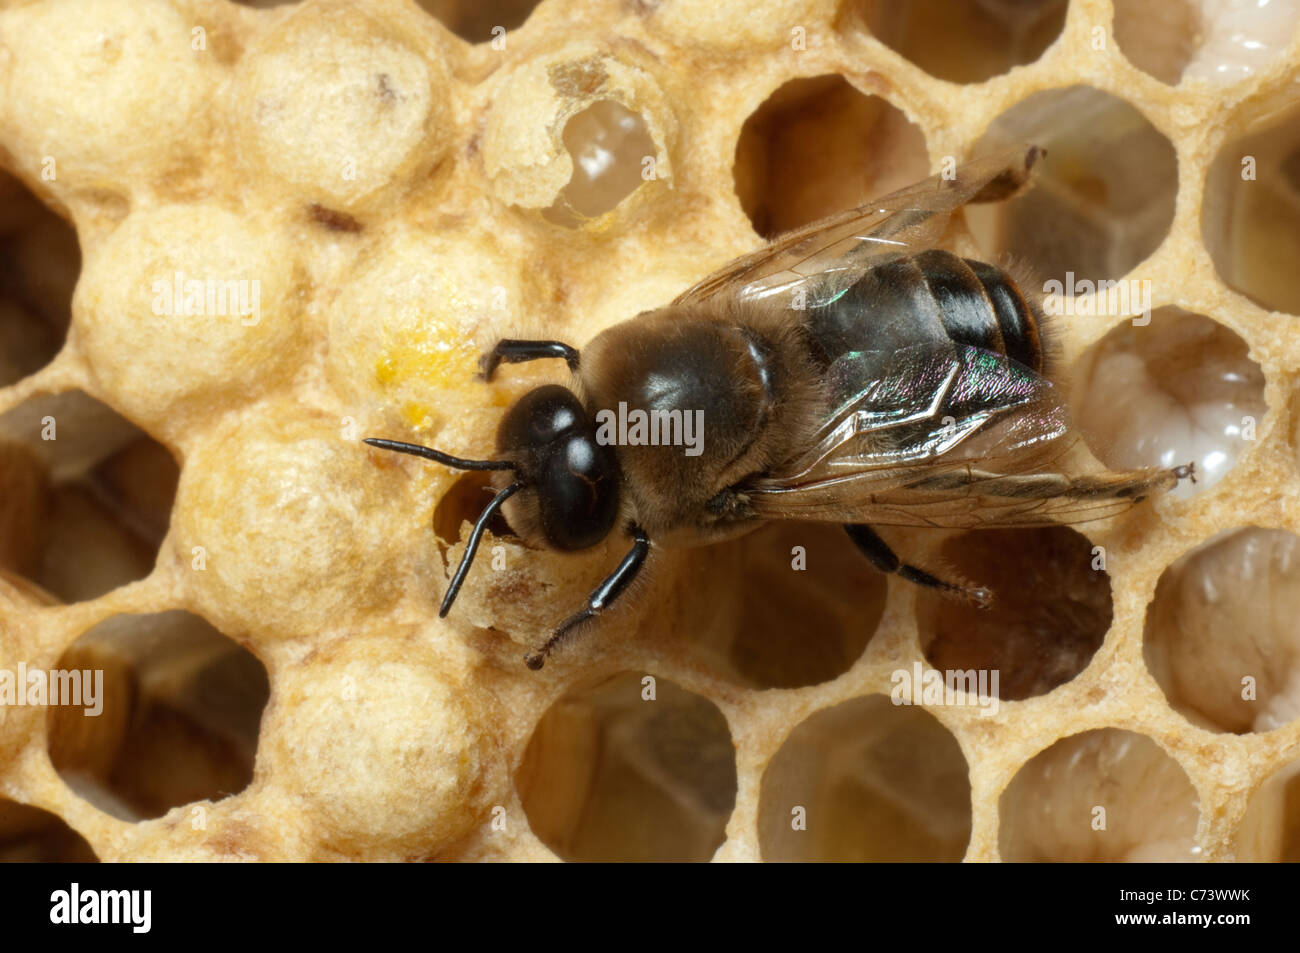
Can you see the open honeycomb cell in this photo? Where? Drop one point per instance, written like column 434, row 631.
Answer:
column 238, row 238
column 1251, row 215
column 1221, row 41
column 1159, row 38
column 1051, row 609
column 964, row 41
column 29, row 834
column 39, row 264
column 801, row 154
column 1270, row 830
column 1220, row 637
column 802, row 610
column 866, row 780
column 1106, row 188
column 1169, row 389
column 174, row 691
column 90, row 496
column 480, row 21
column 634, row 768
column 1105, row 794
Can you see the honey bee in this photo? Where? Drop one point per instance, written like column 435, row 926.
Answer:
column 849, row 372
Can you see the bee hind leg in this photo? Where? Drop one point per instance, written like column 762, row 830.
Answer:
column 886, row 560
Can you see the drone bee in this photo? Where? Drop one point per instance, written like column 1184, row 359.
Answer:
column 848, row 372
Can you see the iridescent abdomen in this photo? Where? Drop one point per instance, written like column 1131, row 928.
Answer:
column 928, row 297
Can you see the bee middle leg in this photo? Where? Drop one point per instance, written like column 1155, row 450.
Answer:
column 886, row 560
column 601, row 599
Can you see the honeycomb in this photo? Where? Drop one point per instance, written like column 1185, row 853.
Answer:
column 238, row 239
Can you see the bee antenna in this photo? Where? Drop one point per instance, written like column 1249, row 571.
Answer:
column 471, row 548
column 446, row 459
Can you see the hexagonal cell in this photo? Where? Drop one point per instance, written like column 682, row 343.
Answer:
column 1051, row 609
column 1220, row 633
column 1103, row 795
column 1220, row 42
column 798, row 605
column 633, row 768
column 324, row 87
column 1102, row 199
column 962, row 41
column 866, row 781
column 1158, row 36
column 609, row 144
column 31, row 835
column 475, row 20
column 69, row 433
column 87, row 496
column 39, row 264
column 1179, row 389
column 173, row 719
column 818, row 146
column 577, row 133
column 1250, row 216
column 1270, row 831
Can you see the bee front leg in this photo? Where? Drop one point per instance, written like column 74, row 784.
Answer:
column 883, row 558
column 601, row 599
column 509, row 351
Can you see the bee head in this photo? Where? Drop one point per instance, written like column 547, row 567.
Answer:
column 571, row 480
column 565, row 485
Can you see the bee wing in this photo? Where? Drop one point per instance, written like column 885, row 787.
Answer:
column 828, row 256
column 942, row 435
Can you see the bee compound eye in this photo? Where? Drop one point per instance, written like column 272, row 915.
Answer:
column 538, row 419
column 578, row 492
column 553, row 419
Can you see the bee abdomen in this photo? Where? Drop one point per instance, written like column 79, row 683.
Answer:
column 981, row 306
column 928, row 297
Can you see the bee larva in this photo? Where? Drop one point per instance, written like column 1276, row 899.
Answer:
column 848, row 372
